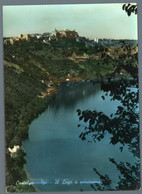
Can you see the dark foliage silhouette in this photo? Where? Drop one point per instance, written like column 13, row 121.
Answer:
column 130, row 8
column 123, row 125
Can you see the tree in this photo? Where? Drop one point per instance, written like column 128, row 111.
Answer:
column 130, row 8
column 123, row 125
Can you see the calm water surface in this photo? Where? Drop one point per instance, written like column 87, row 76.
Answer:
column 56, row 154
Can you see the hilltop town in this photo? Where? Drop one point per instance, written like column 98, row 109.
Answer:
column 45, row 37
column 48, row 37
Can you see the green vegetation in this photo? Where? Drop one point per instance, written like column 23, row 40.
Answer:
column 30, row 68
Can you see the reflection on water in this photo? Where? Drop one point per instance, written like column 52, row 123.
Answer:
column 57, row 155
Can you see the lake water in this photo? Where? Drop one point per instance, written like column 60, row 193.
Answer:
column 57, row 159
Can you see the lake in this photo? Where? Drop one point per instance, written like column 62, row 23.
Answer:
column 57, row 159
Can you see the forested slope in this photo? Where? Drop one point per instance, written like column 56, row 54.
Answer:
column 33, row 73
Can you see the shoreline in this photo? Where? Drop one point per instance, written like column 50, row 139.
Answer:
column 96, row 80
column 104, row 79
column 29, row 178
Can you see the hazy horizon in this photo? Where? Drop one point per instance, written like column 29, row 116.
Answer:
column 18, row 36
column 89, row 20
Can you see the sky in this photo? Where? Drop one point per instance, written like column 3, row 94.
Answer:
column 89, row 20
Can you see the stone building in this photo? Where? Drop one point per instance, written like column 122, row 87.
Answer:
column 25, row 37
column 14, row 151
column 16, row 40
column 65, row 34
column 8, row 41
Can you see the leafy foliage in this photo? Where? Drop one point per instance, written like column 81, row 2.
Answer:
column 130, row 175
column 130, row 8
column 123, row 125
